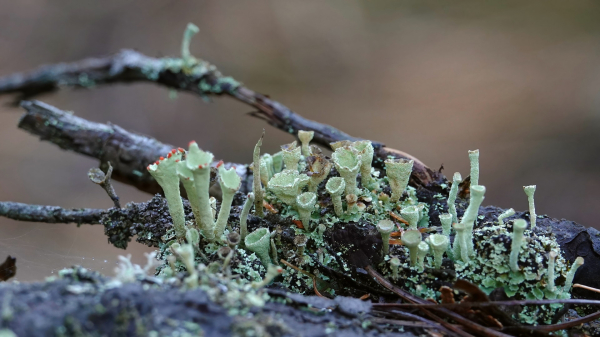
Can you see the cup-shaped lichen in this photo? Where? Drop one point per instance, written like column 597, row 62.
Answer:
column 277, row 162
column 339, row 144
column 347, row 162
column 318, row 167
column 198, row 162
column 438, row 243
column 398, row 173
column 266, row 168
column 230, row 183
column 259, row 242
column 456, row 179
column 529, row 191
column 519, row 226
column 410, row 214
column 305, row 204
column 335, row 186
column 385, row 228
column 165, row 172
column 411, row 239
column 291, row 156
column 365, row 150
column 446, row 221
column 287, row 184
column 477, row 192
column 305, row 138
column 422, row 251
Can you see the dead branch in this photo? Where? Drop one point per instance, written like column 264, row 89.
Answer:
column 129, row 153
column 131, row 66
column 50, row 214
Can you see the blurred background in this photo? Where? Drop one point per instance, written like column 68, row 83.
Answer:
column 518, row 80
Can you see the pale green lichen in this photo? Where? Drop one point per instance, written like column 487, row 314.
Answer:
column 259, row 243
column 319, row 167
column 569, row 281
column 230, row 183
column 519, row 226
column 398, row 172
column 508, row 213
column 287, row 185
column 385, row 228
column 411, row 215
column 422, row 251
column 347, row 162
column 335, row 187
column 291, row 156
column 305, row 138
column 438, row 244
column 456, row 179
column 199, row 162
column 470, row 216
column 446, row 221
column 366, row 151
column 411, row 239
column 244, row 217
column 474, row 160
column 529, row 191
column 305, row 204
column 165, row 172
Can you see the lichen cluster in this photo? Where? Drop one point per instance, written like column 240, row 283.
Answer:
column 337, row 213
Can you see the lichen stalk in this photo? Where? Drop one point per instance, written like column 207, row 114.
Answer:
column 411, row 239
column 366, row 151
column 438, row 243
column 550, row 276
column 422, row 251
column 385, row 228
column 508, row 213
column 230, row 183
column 398, row 172
column 394, row 265
column 459, row 248
column 474, row 160
column 188, row 59
column 571, row 274
column 198, row 162
column 256, row 186
column 446, row 221
column 456, row 179
column 186, row 176
column 244, row 217
column 529, row 191
column 519, row 226
column 470, row 216
column 165, row 172
column 335, row 186
column 186, row 255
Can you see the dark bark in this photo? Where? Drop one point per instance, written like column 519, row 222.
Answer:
column 131, row 66
column 50, row 214
column 129, row 153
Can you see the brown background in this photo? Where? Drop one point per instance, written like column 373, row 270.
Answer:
column 518, row 80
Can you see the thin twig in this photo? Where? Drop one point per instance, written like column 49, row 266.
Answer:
column 474, row 327
column 488, row 304
column 131, row 66
column 50, row 214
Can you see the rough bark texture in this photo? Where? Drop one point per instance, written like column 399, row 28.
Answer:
column 129, row 153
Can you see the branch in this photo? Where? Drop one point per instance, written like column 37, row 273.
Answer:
column 129, row 153
column 50, row 214
column 203, row 79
